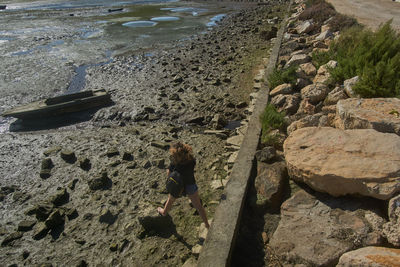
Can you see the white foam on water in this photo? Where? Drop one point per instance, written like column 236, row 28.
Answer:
column 140, row 23
column 160, row 19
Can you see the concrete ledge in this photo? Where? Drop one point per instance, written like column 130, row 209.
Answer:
column 221, row 237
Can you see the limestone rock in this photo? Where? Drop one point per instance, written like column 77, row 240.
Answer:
column 85, row 164
column 317, row 230
column 40, row 231
column 305, row 27
column 191, row 262
column 235, row 140
column 334, row 96
column 196, row 249
column 381, row 114
column 306, row 70
column 284, row 89
column 338, row 162
column 159, row 144
column 107, row 217
column 323, row 74
column 370, row 256
column 392, row 229
column 269, row 184
column 278, row 100
column 291, row 105
column 47, row 164
column 348, row 86
column 297, row 60
column 324, row 35
column 315, row 92
column 55, row 219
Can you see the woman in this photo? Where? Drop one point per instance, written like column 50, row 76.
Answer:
column 183, row 162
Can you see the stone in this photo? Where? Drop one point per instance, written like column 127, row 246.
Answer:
column 196, row 120
column 60, row 197
column 391, row 229
column 269, row 184
column 305, row 27
column 217, row 184
column 26, row 225
column 40, row 231
column 323, row 74
column 112, row 152
column 197, row 249
column 348, row 86
column 334, row 96
column 223, row 134
column 380, row 114
column 283, row 89
column 159, row 163
column 52, row 150
column 218, row 122
column 55, row 219
column 68, row 156
column 291, row 105
column 191, row 262
column 342, row 162
column 306, row 70
column 370, row 256
column 47, row 164
column 85, row 164
column 278, row 100
column 127, row 156
column 11, row 237
column 45, row 173
column 232, row 158
column 324, row 35
column 203, row 231
column 100, row 182
column 160, row 144
column 297, row 60
column 235, row 140
column 306, row 108
column 107, row 217
column 317, row 229
column 42, row 211
column 315, row 92
column 266, row 155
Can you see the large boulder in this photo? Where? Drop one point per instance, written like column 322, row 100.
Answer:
column 341, row 162
column 381, row 114
column 370, row 256
column 317, row 230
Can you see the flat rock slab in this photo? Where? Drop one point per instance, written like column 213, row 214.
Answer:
column 318, row 230
column 341, row 162
column 381, row 114
column 371, row 256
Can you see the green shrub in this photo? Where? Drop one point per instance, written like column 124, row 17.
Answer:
column 373, row 56
column 278, row 77
column 271, row 119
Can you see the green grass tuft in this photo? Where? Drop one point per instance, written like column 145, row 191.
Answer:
column 271, row 119
column 278, row 77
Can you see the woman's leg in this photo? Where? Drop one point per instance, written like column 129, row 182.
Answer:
column 197, row 204
column 167, row 207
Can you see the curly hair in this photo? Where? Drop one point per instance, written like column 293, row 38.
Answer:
column 181, row 153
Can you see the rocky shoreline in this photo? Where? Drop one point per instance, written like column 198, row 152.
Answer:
column 86, row 194
column 327, row 192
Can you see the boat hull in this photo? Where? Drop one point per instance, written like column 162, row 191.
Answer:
column 61, row 105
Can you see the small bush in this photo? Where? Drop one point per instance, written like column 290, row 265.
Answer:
column 341, row 22
column 373, row 56
column 278, row 77
column 319, row 11
column 271, row 119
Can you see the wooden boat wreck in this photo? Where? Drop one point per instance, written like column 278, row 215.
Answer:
column 60, row 105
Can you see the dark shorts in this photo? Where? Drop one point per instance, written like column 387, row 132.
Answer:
column 191, row 189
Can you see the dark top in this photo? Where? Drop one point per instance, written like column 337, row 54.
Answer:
column 186, row 171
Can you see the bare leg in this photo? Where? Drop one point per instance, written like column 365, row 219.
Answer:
column 197, row 204
column 167, row 207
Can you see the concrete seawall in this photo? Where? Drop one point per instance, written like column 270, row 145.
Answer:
column 221, row 237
